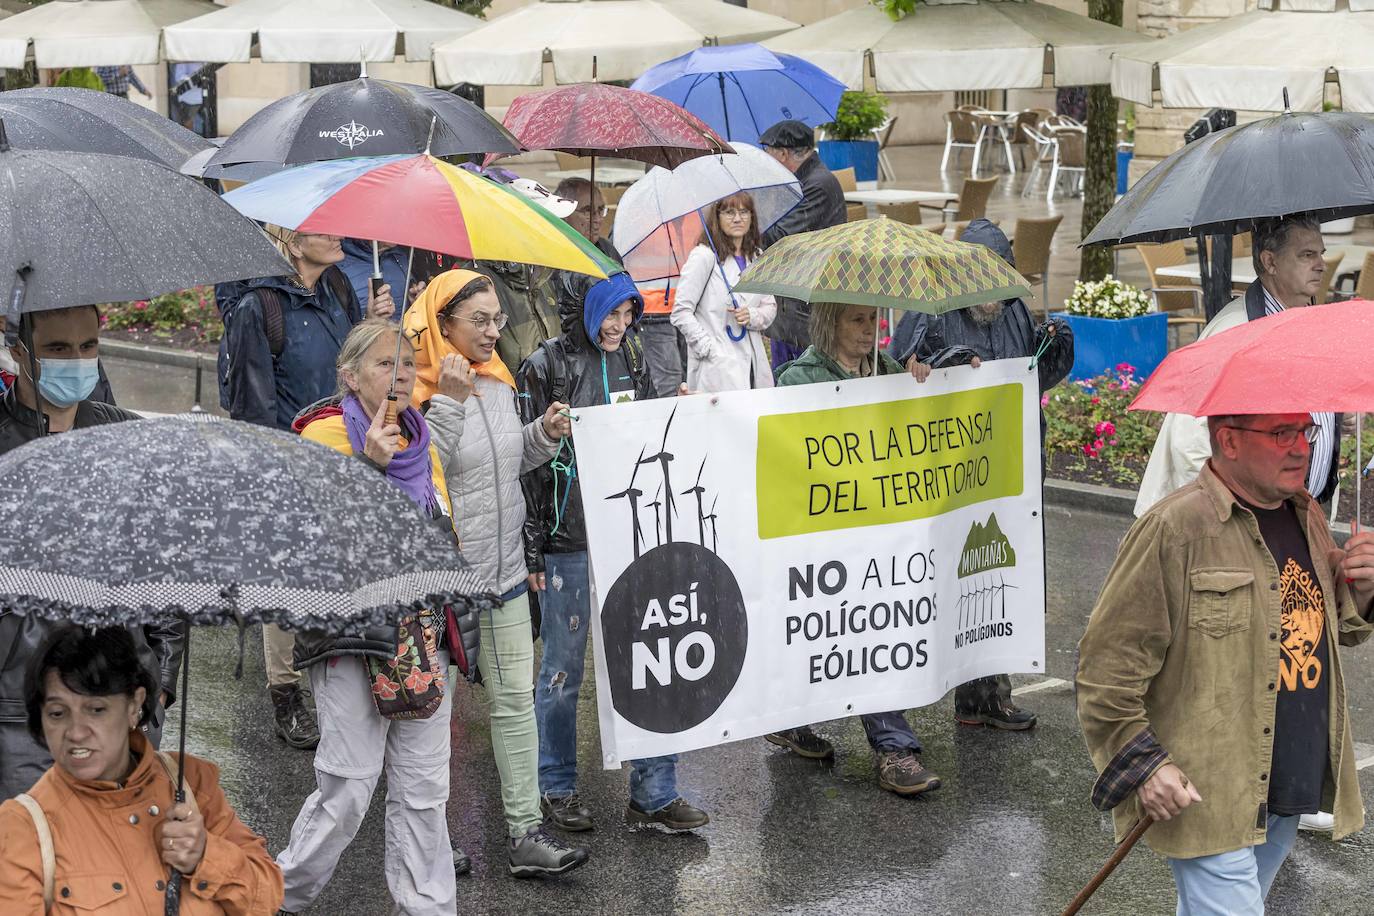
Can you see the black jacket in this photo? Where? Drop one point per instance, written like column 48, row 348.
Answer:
column 822, row 206
column 159, row 647
column 568, row 369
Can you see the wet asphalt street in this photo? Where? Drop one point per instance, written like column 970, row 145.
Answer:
column 1010, row 832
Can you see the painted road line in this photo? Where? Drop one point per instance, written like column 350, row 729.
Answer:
column 1048, row 683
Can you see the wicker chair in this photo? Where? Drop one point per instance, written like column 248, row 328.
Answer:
column 966, row 130
column 909, row 213
column 1031, row 251
column 1332, row 261
column 1070, row 155
column 937, row 228
column 855, row 212
column 568, row 162
column 883, row 134
column 846, row 179
column 1169, row 294
column 973, row 199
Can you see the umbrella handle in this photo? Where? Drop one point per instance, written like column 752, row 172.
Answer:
column 389, row 418
column 1121, row 851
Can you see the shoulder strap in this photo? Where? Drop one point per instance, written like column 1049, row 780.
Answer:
column 558, row 379
column 635, row 351
column 343, row 291
column 273, row 323
column 45, row 848
column 170, row 767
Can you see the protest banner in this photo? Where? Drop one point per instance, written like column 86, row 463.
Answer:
column 772, row 558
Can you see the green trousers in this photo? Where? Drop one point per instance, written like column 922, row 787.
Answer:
column 506, row 657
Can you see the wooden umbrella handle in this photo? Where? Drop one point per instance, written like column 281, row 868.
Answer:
column 1122, row 850
column 389, row 418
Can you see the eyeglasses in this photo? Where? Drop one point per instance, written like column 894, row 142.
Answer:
column 586, row 210
column 1284, row 438
column 736, row 214
column 482, row 322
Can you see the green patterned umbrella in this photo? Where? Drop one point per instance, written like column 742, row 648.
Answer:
column 883, row 263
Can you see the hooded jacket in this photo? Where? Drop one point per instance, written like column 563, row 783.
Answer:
column 527, row 295
column 269, row 390
column 822, row 206
column 569, row 369
column 357, row 267
column 716, row 360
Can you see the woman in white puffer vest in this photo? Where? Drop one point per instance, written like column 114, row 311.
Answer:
column 469, row 399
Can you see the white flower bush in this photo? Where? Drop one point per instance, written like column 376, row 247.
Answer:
column 1107, row 298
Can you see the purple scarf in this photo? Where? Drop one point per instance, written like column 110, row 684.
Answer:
column 410, row 469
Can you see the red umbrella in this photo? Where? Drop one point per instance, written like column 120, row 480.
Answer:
column 590, row 119
column 1303, row 360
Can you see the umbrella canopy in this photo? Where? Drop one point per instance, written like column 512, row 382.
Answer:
column 217, row 522
column 1297, row 361
column 92, row 33
column 83, row 120
column 1291, row 163
column 742, row 90
column 86, row 228
column 626, row 37
column 659, row 220
column 1246, row 61
column 592, row 119
column 883, row 263
column 961, row 45
column 317, row 31
column 362, row 117
column 422, row 202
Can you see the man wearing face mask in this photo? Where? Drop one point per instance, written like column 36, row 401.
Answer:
column 56, row 356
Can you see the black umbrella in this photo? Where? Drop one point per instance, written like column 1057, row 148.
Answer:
column 87, row 228
column 211, row 521
column 363, row 117
column 1296, row 162
column 87, row 121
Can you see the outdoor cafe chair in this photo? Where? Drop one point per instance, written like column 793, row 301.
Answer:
column 1044, row 154
column 1069, row 158
column 1020, row 139
column 906, row 212
column 973, row 199
column 567, row 162
column 1332, row 261
column 855, row 212
column 883, row 134
column 846, row 179
column 1030, row 249
column 1170, row 295
column 968, row 130
column 939, row 229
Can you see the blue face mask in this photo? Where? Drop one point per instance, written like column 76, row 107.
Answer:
column 64, row 382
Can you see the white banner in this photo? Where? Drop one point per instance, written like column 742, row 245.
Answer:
column 767, row 559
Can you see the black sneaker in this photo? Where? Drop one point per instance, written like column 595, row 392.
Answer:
column 997, row 713
column 295, row 723
column 539, row 854
column 901, row 772
column 676, row 816
column 462, row 864
column 566, row 812
column 803, row 742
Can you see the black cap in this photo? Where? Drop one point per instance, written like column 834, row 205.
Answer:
column 789, row 134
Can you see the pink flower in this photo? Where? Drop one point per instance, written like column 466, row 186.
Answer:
column 141, row 305
column 1105, row 428
column 1044, row 399
column 882, row 324
column 1126, row 368
column 885, row 342
column 1111, row 442
column 1098, row 445
column 1096, row 400
column 1090, row 451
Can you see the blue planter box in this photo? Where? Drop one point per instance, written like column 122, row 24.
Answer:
column 860, row 155
column 1100, row 344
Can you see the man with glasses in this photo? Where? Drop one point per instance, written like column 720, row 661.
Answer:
column 1209, row 687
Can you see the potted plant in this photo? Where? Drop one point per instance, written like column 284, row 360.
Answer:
column 849, row 139
column 1112, row 323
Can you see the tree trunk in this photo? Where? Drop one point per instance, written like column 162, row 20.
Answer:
column 1099, row 181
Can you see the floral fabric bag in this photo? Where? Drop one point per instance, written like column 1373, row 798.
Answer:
column 410, row 685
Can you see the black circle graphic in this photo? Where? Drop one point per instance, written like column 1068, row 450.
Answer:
column 669, row 678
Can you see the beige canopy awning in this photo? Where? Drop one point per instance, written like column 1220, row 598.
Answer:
column 627, row 37
column 92, row 33
column 317, row 31
column 961, row 46
column 1246, row 61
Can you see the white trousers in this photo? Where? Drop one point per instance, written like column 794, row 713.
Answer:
column 355, row 743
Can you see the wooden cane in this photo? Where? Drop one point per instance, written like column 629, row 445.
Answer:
column 1122, row 850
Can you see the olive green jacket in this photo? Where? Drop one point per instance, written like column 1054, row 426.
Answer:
column 814, row 366
column 1185, row 640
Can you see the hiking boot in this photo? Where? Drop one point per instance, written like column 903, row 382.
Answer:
column 462, row 864
column 676, row 816
column 997, row 713
column 901, row 772
column 295, row 723
column 566, row 812
column 803, row 742
column 540, row 854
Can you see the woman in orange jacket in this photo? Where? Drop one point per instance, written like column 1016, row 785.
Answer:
column 100, row 830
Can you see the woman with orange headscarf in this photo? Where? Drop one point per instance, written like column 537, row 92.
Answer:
column 469, row 399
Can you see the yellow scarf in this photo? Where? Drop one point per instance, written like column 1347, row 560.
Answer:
column 422, row 327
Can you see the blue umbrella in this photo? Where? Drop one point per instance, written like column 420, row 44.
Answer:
column 742, row 90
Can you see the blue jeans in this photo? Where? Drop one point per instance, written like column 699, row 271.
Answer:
column 1234, row 883
column 567, row 612
column 890, row 731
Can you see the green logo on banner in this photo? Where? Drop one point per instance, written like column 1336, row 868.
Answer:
column 895, row 461
column 985, row 548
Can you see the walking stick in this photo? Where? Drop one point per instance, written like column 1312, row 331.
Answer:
column 1122, row 850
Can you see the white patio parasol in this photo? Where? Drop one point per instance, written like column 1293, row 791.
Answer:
column 92, row 33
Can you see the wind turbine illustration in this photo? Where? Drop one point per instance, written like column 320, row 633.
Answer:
column 698, row 489
column 632, row 496
column 658, row 532
column 712, row 519
column 664, row 458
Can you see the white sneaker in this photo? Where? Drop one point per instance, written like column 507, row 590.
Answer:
column 1321, row 821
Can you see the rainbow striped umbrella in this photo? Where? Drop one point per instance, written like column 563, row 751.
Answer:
column 422, row 202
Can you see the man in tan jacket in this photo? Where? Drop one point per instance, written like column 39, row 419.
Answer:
column 1209, row 686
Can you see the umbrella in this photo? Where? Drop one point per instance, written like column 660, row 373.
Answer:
column 212, row 521
column 1246, row 61
column 362, row 117
column 883, row 263
column 962, row 46
column 87, row 228
column 1226, row 182
column 626, row 36
column 311, row 32
column 742, row 90
column 86, row 121
column 421, row 202
column 659, row 219
column 89, row 33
